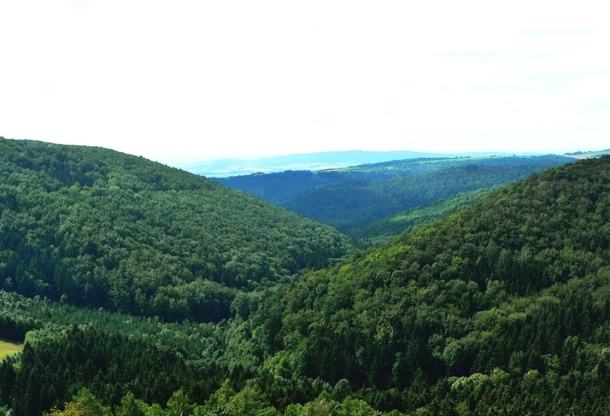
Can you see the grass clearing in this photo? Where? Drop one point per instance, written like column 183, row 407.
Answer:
column 8, row 348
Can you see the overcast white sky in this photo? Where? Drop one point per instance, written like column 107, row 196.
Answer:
column 210, row 79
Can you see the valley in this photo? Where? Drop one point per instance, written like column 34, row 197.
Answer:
column 365, row 201
column 134, row 288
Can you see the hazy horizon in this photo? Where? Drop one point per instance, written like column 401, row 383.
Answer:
column 184, row 160
column 217, row 80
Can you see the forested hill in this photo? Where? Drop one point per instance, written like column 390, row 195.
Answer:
column 282, row 187
column 351, row 199
column 502, row 306
column 98, row 228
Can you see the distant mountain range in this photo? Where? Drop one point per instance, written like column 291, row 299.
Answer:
column 308, row 161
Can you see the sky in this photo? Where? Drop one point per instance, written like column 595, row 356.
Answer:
column 208, row 79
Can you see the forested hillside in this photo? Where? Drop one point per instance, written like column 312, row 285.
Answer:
column 351, row 199
column 97, row 228
column 500, row 308
column 503, row 305
column 384, row 230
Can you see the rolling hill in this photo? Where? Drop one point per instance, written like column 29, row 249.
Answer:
column 98, row 228
column 384, row 230
column 350, row 199
column 502, row 307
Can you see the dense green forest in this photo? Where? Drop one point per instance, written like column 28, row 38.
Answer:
column 98, row 228
column 361, row 200
column 502, row 307
column 281, row 187
column 384, row 230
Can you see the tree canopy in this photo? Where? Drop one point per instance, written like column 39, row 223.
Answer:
column 98, row 228
column 500, row 307
column 361, row 200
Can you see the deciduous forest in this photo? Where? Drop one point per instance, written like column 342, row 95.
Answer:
column 138, row 289
column 362, row 201
column 97, row 228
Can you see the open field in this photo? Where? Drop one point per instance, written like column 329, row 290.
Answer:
column 7, row 348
